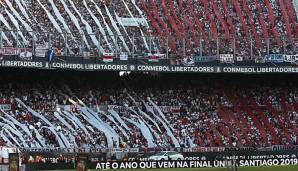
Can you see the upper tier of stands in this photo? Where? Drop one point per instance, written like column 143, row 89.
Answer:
column 185, row 26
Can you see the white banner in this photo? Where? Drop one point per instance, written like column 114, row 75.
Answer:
column 123, row 56
column 239, row 58
column 132, row 22
column 26, row 55
column 86, row 55
column 14, row 51
column 291, row 58
column 226, row 58
column 164, row 109
column 41, row 50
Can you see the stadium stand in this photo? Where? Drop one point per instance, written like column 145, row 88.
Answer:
column 62, row 94
column 91, row 110
column 186, row 27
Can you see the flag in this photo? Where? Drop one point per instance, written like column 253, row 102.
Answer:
column 123, row 56
column 226, row 58
column 26, row 55
column 51, row 55
column 259, row 60
column 239, row 58
column 290, row 58
column 108, row 57
column 41, row 50
column 274, row 58
column 86, row 55
column 152, row 57
column 188, row 60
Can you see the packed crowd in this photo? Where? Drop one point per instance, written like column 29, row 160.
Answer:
column 187, row 27
column 145, row 111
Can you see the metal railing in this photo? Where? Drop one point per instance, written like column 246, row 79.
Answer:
column 157, row 149
column 94, row 45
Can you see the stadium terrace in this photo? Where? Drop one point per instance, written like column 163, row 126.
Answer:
column 189, row 32
column 148, row 84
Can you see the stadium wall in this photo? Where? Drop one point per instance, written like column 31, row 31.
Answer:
column 192, row 159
